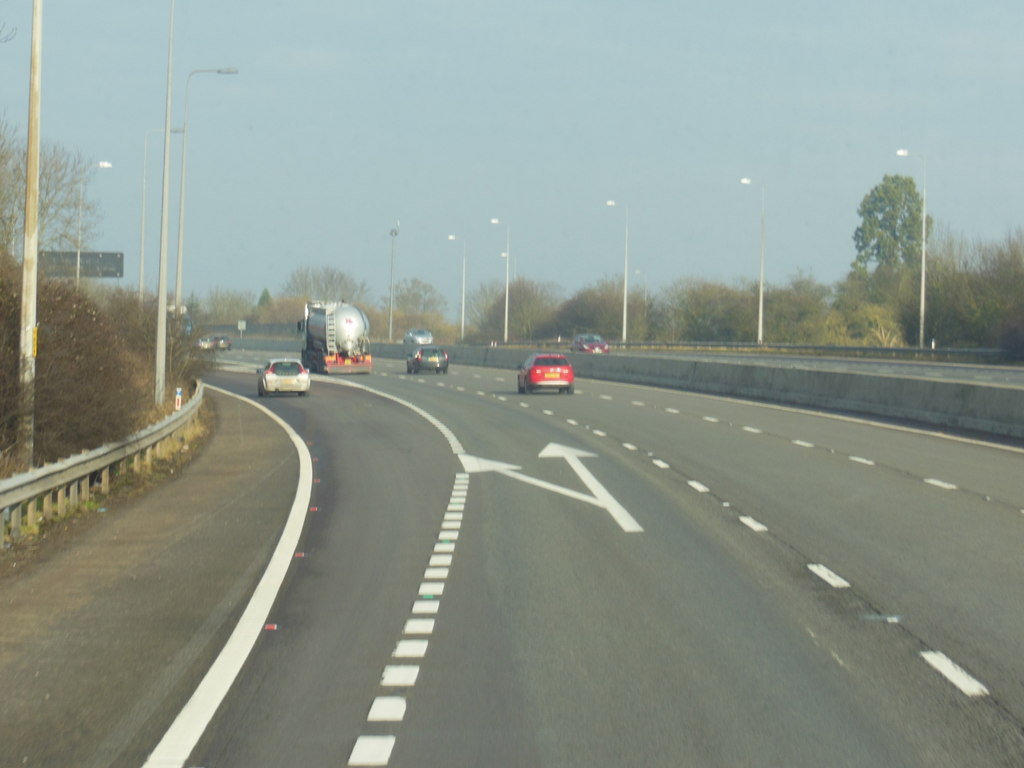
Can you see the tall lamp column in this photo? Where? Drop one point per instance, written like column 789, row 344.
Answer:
column 462, row 320
column 507, row 255
column 760, row 280
column 391, row 290
column 625, row 276
column 924, row 237
column 181, row 188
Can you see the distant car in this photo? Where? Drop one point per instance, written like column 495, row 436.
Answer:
column 546, row 370
column 206, row 342
column 282, row 375
column 222, row 342
column 418, row 337
column 427, row 359
column 590, row 342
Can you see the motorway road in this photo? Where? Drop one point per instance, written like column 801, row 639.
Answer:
column 631, row 576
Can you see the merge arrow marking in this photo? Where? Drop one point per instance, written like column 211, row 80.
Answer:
column 600, row 498
column 476, row 464
column 573, row 456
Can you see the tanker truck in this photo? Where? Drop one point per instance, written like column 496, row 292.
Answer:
column 335, row 338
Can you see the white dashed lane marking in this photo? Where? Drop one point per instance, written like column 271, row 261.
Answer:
column 753, row 525
column 940, row 484
column 387, row 709
column 954, row 673
column 830, row 578
column 400, row 675
column 372, row 750
column 376, row 749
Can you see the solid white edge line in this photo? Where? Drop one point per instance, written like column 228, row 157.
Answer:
column 953, row 672
column 183, row 735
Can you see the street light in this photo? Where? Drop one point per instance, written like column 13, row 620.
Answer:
column 391, row 293
column 30, row 247
column 760, row 281
column 462, row 331
column 142, row 223
column 924, row 235
column 181, row 188
column 625, row 275
column 81, row 200
column 160, row 374
column 507, row 255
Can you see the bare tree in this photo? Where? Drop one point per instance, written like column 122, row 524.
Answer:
column 227, row 306
column 66, row 214
column 325, row 284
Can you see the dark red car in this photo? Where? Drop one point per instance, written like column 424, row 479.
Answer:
column 590, row 342
column 546, row 370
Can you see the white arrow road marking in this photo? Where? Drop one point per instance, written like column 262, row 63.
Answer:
column 601, row 497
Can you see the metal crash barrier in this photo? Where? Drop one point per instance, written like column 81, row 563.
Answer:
column 55, row 490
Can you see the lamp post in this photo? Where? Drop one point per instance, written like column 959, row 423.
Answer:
column 30, row 248
column 391, row 290
column 625, row 275
column 760, row 280
column 462, row 321
column 924, row 236
column 507, row 255
column 160, row 374
column 142, row 222
column 181, row 187
column 81, row 202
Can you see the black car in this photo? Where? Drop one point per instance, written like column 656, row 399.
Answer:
column 427, row 359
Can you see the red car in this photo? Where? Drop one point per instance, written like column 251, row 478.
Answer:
column 546, row 370
column 590, row 342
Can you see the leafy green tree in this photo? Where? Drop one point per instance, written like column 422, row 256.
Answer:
column 890, row 230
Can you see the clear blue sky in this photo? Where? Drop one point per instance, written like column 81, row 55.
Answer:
column 446, row 113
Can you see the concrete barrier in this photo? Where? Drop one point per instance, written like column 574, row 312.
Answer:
column 975, row 407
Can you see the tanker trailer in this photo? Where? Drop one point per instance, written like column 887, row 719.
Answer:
column 336, row 338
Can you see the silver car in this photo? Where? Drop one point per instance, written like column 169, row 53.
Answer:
column 418, row 336
column 282, row 375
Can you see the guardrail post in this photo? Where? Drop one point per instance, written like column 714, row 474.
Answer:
column 30, row 514
column 16, row 523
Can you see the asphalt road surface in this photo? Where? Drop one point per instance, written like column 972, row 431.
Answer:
column 630, row 576
column 624, row 576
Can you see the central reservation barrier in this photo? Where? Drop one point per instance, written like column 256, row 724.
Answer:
column 990, row 409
